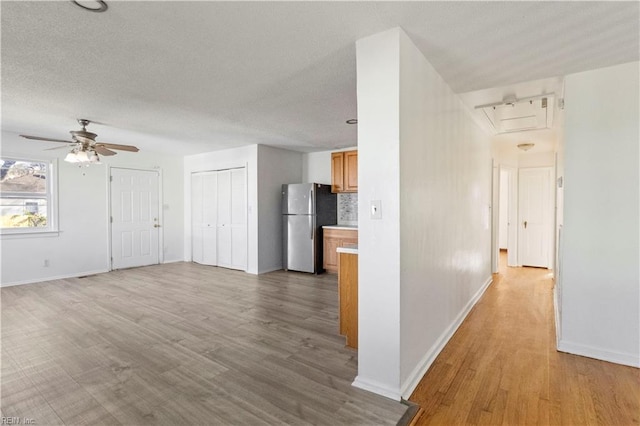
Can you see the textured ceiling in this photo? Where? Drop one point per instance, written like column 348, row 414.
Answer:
column 199, row 76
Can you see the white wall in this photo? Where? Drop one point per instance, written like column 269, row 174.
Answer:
column 275, row 168
column 316, row 166
column 445, row 198
column 427, row 261
column 503, row 214
column 246, row 156
column 559, row 223
column 600, row 250
column 82, row 245
column 378, row 86
column 536, row 159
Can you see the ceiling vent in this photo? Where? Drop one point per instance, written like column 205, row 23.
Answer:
column 518, row 115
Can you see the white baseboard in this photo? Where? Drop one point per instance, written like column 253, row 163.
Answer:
column 175, row 261
column 421, row 369
column 556, row 309
column 377, row 388
column 53, row 278
column 632, row 360
column 270, row 269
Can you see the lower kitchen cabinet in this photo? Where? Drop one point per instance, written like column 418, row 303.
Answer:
column 348, row 294
column 334, row 238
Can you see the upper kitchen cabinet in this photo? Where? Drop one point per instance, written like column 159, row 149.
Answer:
column 344, row 171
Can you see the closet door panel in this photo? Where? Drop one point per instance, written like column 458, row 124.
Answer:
column 196, row 217
column 224, row 219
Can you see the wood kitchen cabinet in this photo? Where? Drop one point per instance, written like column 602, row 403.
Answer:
column 344, row 171
column 334, row 238
column 348, row 294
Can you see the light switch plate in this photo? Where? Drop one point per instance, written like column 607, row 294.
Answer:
column 376, row 209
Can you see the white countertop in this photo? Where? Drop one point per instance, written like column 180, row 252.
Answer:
column 348, row 250
column 347, row 227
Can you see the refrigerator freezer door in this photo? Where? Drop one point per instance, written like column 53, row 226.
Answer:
column 300, row 242
column 298, row 198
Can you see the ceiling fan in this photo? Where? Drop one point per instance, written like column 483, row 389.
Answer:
column 85, row 148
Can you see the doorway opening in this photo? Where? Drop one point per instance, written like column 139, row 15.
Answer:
column 523, row 230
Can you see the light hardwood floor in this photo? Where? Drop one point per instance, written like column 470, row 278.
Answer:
column 501, row 367
column 182, row 344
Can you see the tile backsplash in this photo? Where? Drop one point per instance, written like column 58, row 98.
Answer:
column 348, row 209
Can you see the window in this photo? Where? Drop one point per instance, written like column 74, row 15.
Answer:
column 27, row 196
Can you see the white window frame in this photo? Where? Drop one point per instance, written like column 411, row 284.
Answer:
column 52, row 200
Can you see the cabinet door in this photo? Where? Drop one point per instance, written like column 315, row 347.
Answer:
column 330, row 256
column 337, row 172
column 350, row 171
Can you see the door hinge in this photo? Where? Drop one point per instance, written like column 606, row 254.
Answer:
column 110, row 178
column 111, row 219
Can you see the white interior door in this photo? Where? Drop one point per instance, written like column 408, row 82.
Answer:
column 209, row 216
column 224, row 219
column 232, row 219
column 535, row 209
column 196, row 218
column 203, row 217
column 135, row 220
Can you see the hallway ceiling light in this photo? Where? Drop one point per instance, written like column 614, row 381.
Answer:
column 526, row 146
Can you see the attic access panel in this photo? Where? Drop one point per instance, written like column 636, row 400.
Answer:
column 520, row 115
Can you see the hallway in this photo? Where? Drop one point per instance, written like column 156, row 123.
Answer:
column 501, row 366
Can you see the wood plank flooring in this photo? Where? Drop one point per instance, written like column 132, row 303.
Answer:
column 181, row 344
column 501, row 367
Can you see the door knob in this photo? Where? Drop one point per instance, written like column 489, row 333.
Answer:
column 525, row 224
column 155, row 225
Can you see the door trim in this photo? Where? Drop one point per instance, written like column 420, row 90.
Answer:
column 512, row 200
column 110, row 213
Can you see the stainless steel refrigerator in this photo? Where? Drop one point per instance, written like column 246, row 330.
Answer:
column 306, row 207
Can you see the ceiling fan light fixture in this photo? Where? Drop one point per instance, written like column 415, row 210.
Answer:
column 83, row 157
column 71, row 157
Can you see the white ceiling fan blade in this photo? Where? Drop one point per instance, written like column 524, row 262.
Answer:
column 60, row 147
column 130, row 148
column 104, row 151
column 38, row 138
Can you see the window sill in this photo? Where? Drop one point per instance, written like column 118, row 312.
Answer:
column 10, row 235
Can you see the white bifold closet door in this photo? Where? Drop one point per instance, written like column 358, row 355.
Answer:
column 219, row 218
column 203, row 219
